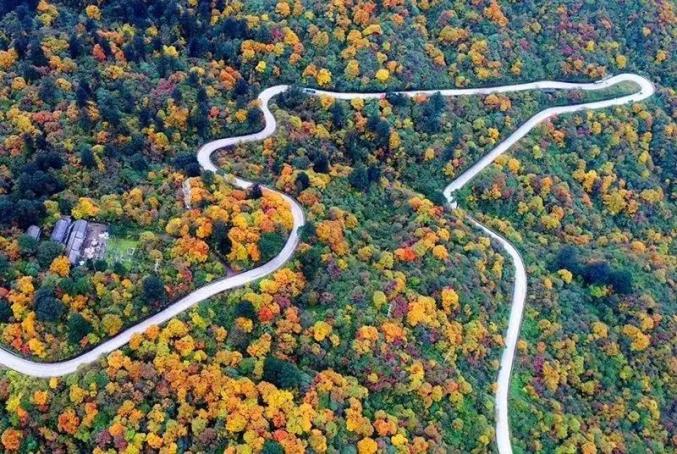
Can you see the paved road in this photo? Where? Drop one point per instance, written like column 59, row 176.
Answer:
column 646, row 89
column 38, row 369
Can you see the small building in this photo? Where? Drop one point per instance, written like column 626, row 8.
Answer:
column 82, row 240
column 77, row 232
column 34, row 232
column 61, row 230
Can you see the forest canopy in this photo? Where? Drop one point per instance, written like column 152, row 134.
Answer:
column 384, row 331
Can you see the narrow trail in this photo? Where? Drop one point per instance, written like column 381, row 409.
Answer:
column 646, row 89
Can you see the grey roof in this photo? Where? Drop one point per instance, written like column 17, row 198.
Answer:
column 33, row 231
column 76, row 236
column 60, row 230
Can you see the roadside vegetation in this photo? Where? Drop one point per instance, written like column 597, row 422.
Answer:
column 384, row 332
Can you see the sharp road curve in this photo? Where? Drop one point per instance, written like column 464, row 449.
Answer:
column 645, row 89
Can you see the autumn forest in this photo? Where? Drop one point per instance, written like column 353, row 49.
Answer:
column 321, row 292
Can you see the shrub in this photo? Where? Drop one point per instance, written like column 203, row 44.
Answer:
column 302, row 181
column 281, row 373
column 567, row 259
column 5, row 267
column 154, row 289
column 245, row 309
column 220, row 239
column 359, row 177
column 596, row 273
column 87, row 158
column 119, row 268
column 321, row 164
column 48, row 308
column 47, row 252
column 270, row 244
column 311, row 261
column 5, row 311
column 78, row 327
column 621, row 281
column 255, row 192
column 28, row 245
column 272, row 447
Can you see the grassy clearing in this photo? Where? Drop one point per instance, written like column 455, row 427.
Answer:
column 120, row 249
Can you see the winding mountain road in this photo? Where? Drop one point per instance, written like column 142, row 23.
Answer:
column 646, row 89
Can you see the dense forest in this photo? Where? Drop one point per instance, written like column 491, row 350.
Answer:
column 384, row 331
